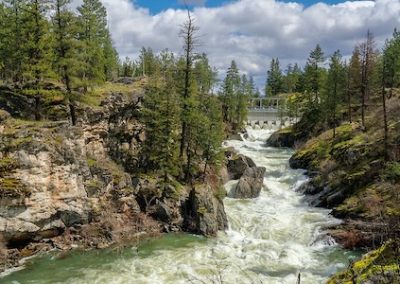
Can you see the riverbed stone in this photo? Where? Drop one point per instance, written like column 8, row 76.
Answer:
column 250, row 184
column 238, row 165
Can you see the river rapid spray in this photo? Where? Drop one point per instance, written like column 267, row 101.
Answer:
column 270, row 240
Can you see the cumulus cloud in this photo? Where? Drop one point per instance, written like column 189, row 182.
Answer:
column 254, row 31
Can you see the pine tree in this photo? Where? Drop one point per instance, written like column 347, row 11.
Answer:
column 313, row 73
column 13, row 39
column 334, row 88
column 4, row 33
column 274, row 83
column 291, row 80
column 93, row 32
column 161, row 115
column 390, row 78
column 391, row 54
column 211, row 135
column 147, row 62
column 188, row 34
column 252, row 87
column 205, row 75
column 67, row 57
column 127, row 68
column 230, row 90
column 368, row 57
column 243, row 96
column 354, row 79
column 38, row 46
column 39, row 41
column 110, row 58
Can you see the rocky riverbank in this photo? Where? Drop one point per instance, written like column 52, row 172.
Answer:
column 65, row 187
column 349, row 174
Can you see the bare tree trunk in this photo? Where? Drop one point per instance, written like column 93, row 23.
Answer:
column 348, row 95
column 385, row 123
column 187, row 33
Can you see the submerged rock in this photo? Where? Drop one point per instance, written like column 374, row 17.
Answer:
column 250, row 184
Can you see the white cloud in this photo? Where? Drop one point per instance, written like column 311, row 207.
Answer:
column 253, row 31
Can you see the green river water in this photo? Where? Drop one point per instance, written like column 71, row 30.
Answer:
column 270, row 240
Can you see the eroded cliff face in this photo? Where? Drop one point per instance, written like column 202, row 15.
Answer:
column 82, row 186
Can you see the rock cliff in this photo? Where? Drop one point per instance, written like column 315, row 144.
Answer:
column 64, row 186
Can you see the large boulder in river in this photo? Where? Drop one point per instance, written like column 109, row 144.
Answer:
column 250, row 184
column 282, row 138
column 204, row 212
column 238, row 165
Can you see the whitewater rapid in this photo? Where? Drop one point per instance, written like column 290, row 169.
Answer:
column 270, row 240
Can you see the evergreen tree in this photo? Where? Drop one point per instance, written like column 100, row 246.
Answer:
column 334, row 87
column 211, row 133
column 13, row 39
column 4, row 33
column 243, row 97
column 67, row 57
column 147, row 62
column 38, row 41
column 314, row 74
column 390, row 78
column 38, row 48
column 291, row 80
column 391, row 55
column 110, row 58
column 230, row 89
column 93, row 32
column 127, row 68
column 368, row 60
column 274, row 84
column 252, row 87
column 204, row 74
column 353, row 79
column 191, row 118
column 161, row 115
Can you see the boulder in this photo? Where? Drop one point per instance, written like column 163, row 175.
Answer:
column 162, row 212
column 238, row 165
column 204, row 212
column 250, row 184
column 282, row 138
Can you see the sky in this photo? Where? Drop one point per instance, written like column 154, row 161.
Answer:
column 156, row 6
column 251, row 32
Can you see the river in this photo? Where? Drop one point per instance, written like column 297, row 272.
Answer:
column 270, row 240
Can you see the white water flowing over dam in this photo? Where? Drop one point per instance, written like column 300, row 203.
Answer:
column 270, row 240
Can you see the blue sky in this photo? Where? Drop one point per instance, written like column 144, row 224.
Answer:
column 156, row 6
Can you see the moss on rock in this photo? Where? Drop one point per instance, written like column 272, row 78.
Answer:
column 378, row 266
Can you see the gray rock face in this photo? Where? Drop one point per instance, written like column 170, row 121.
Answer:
column 80, row 185
column 67, row 173
column 238, row 165
column 283, row 138
column 205, row 213
column 250, row 184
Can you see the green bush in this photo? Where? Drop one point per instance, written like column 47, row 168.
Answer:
column 392, row 172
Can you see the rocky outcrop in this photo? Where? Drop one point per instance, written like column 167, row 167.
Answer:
column 64, row 176
column 282, row 138
column 250, row 176
column 81, row 186
column 237, row 165
column 378, row 266
column 204, row 212
column 250, row 184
